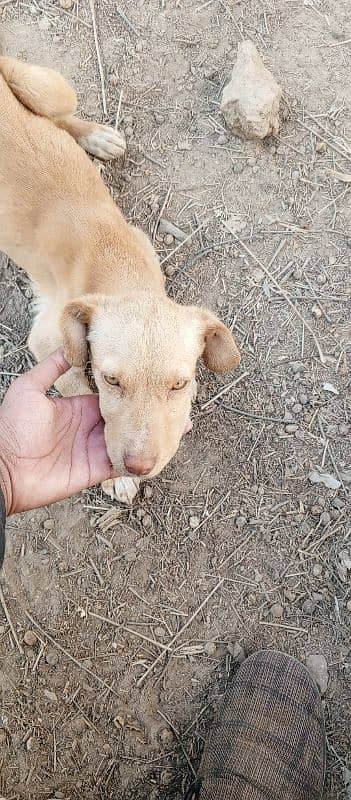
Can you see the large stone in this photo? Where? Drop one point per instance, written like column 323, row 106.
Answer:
column 250, row 102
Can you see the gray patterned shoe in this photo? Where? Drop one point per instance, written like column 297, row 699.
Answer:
column 268, row 742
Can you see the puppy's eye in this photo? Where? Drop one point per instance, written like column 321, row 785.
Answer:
column 112, row 380
column 179, row 385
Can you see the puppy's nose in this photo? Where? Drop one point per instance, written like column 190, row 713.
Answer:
column 138, row 465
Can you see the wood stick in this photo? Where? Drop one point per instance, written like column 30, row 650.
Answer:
column 98, row 56
column 177, row 635
column 68, row 655
column 281, row 291
column 224, row 390
column 9, row 620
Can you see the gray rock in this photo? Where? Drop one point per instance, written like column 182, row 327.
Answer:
column 318, row 669
column 250, row 102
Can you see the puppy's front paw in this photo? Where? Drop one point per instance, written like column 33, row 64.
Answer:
column 104, row 142
column 122, row 489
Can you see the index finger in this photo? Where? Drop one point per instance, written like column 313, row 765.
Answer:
column 44, row 375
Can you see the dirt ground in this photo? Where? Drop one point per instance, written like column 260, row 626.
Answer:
column 95, row 592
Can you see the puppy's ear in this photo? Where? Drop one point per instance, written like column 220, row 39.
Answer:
column 220, row 352
column 75, row 321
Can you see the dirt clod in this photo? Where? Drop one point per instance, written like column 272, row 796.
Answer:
column 30, row 638
column 250, row 102
column 277, row 611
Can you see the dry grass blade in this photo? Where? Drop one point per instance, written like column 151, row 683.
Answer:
column 177, row 635
column 224, row 390
column 7, row 615
column 69, row 656
column 281, row 291
column 98, row 56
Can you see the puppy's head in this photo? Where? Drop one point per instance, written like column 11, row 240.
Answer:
column 143, row 352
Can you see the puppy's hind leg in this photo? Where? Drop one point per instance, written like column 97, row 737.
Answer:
column 98, row 140
column 44, row 91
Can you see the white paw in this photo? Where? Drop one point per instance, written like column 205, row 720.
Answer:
column 105, row 143
column 122, row 489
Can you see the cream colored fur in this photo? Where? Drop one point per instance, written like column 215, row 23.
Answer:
column 99, row 285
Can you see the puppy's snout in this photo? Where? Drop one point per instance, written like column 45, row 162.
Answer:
column 138, row 465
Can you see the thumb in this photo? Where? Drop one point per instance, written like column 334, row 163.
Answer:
column 44, row 375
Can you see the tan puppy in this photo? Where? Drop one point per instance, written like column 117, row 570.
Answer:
column 98, row 281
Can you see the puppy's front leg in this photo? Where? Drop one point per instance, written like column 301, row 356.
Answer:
column 98, row 140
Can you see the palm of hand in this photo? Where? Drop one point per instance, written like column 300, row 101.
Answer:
column 52, row 446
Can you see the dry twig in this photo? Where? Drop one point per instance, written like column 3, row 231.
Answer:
column 98, row 56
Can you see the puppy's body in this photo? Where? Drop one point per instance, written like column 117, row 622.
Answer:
column 96, row 276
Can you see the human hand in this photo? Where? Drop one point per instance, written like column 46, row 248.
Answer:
column 50, row 447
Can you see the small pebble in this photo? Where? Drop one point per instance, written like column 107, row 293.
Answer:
column 252, row 599
column 79, row 724
column 316, row 511
column 222, row 139
column 166, row 777
column 237, row 652
column 159, row 632
column 168, row 239
column 30, row 638
column 298, row 274
column 140, row 513
column 49, row 524
column 321, row 279
column 147, row 521
column 184, row 145
column 291, row 428
column 128, row 120
column 131, row 556
column 237, row 168
column 337, row 503
column 119, row 721
column 210, row 648
column 159, row 118
column 297, row 366
column 317, row 570
column 318, row 669
column 194, row 522
column 50, row 696
column 277, row 611
column 303, row 399
column 290, row 595
column 308, row 606
column 166, row 736
column 3, row 736
column 148, row 492
column 240, row 522
column 321, row 147
column 325, row 518
column 297, row 407
column 44, row 24
column 169, row 271
column 129, row 132
column 51, row 658
column 316, row 311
